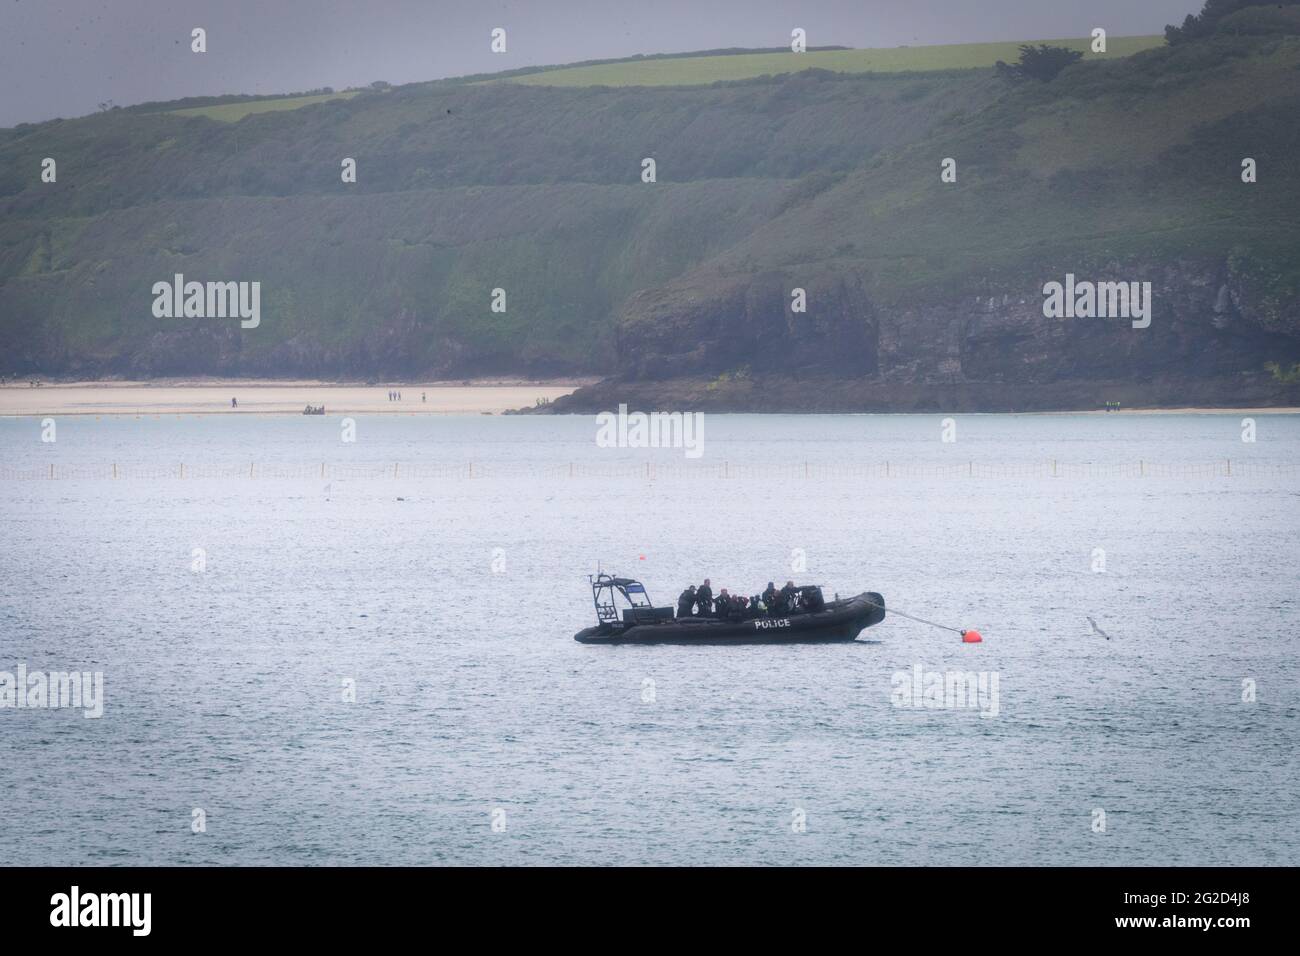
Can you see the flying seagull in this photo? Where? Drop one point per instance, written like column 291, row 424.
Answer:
column 1097, row 629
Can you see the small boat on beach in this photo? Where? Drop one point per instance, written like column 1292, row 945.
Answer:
column 626, row 615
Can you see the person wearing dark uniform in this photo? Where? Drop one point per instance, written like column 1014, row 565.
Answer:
column 769, row 597
column 686, row 602
column 723, row 607
column 704, row 599
column 785, row 600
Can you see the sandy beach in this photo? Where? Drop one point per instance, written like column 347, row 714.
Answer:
column 176, row 397
column 280, row 398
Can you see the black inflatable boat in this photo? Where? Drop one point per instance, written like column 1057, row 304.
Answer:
column 638, row 621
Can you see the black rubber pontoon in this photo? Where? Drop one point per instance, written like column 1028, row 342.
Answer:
column 642, row 623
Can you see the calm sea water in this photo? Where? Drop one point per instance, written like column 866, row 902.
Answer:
column 451, row 604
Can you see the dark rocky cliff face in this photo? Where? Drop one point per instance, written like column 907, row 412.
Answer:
column 733, row 343
column 719, row 327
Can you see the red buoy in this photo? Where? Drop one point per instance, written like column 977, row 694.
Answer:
column 971, row 637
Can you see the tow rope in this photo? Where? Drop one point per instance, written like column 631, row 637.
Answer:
column 967, row 636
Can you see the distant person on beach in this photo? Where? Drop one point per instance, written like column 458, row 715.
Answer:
column 423, row 397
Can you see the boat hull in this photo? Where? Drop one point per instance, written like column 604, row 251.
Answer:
column 840, row 621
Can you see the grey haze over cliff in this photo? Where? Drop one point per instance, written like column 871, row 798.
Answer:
column 64, row 57
column 733, row 238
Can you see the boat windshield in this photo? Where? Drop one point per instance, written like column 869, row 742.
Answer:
column 636, row 595
column 609, row 592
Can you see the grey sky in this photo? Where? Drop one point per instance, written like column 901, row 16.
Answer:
column 62, row 57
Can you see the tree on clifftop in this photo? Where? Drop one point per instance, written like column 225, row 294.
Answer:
column 1210, row 15
column 1042, row 62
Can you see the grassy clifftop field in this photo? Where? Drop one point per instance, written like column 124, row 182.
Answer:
column 234, row 112
column 679, row 71
column 827, row 179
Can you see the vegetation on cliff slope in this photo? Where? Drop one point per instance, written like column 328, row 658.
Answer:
column 464, row 187
column 460, row 189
